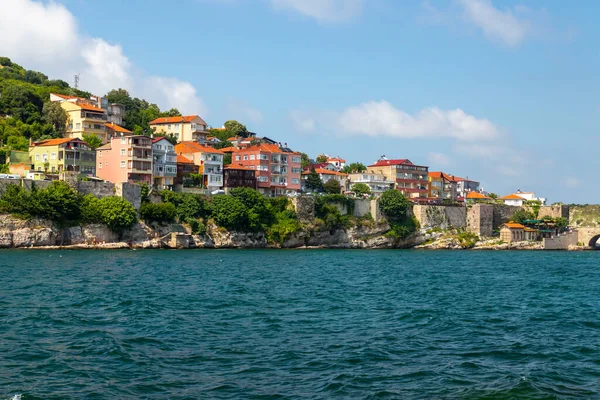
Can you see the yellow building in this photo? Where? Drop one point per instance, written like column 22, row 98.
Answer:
column 66, row 154
column 84, row 116
column 190, row 128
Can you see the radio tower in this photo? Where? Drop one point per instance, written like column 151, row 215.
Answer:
column 76, row 81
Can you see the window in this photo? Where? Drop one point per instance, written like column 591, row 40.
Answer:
column 45, row 157
column 100, row 166
column 169, row 127
column 177, row 126
column 37, row 157
column 296, row 170
column 122, row 164
column 123, row 140
column 53, row 169
column 296, row 159
column 295, row 181
column 106, row 163
column 252, row 156
column 263, row 179
column 78, row 125
column 100, row 154
column 123, row 152
column 53, row 156
column 87, row 126
column 237, row 158
column 70, row 126
column 245, row 157
column 96, row 126
column 193, row 127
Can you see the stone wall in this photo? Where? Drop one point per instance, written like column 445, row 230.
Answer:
column 587, row 216
column 553, row 211
column 362, row 207
column 305, row 208
column 561, row 242
column 376, row 213
column 5, row 182
column 29, row 183
column 480, row 219
column 585, row 235
column 130, row 192
column 440, row 216
column 98, row 189
column 503, row 214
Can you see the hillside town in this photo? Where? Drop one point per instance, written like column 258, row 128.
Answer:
column 180, row 154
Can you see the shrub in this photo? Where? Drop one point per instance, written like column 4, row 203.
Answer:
column 403, row 229
column 91, row 209
column 16, row 200
column 286, row 225
column 198, row 228
column 188, row 206
column 260, row 213
column 394, row 205
column 230, row 212
column 520, row 216
column 117, row 213
column 361, row 189
column 332, row 187
column 467, row 240
column 163, row 212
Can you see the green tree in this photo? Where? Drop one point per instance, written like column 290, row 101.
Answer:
column 92, row 140
column 493, row 196
column 521, row 216
column 230, row 212
column 332, row 187
column 117, row 213
column 260, row 212
column 361, row 189
column 313, row 181
column 394, row 205
column 236, row 128
column 305, row 160
column 561, row 222
column 54, row 115
column 227, row 159
column 162, row 212
column 21, row 102
column 354, row 167
column 321, row 159
column 58, row 203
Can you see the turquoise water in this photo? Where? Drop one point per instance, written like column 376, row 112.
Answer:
column 302, row 324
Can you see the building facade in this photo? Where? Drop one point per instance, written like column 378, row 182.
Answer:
column 465, row 185
column 164, row 163
column 442, row 186
column 53, row 156
column 512, row 200
column 378, row 183
column 410, row 179
column 236, row 175
column 278, row 169
column 185, row 167
column 189, row 128
column 125, row 159
column 208, row 159
column 326, row 175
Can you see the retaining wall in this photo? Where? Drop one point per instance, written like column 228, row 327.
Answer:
column 480, row 219
column 440, row 216
column 561, row 242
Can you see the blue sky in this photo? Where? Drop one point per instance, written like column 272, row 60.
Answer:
column 504, row 92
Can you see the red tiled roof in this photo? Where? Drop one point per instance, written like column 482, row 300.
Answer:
column 336, row 159
column 114, row 127
column 230, row 149
column 384, row 163
column 195, row 147
column 89, row 107
column 477, row 195
column 511, row 197
column 514, row 225
column 323, row 171
column 183, row 160
column 54, row 142
column 232, row 139
column 173, row 120
column 238, row 166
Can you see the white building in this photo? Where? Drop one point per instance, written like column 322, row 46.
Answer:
column 164, row 162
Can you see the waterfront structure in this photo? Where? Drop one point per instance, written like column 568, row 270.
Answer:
column 237, row 175
column 185, row 167
column 378, row 183
column 278, row 169
column 188, row 128
column 410, row 179
column 441, row 186
column 326, row 175
column 126, row 158
column 164, row 163
column 208, row 159
column 512, row 200
column 515, row 232
column 53, row 156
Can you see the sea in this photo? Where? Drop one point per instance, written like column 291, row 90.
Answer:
column 299, row 324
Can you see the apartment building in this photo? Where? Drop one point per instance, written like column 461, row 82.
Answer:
column 278, row 169
column 164, row 162
column 208, row 159
column 53, row 156
column 411, row 179
column 326, row 175
column 236, row 175
column 126, row 158
column 185, row 167
column 189, row 128
column 442, row 186
column 378, row 183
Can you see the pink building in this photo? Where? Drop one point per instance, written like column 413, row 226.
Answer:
column 278, row 169
column 126, row 158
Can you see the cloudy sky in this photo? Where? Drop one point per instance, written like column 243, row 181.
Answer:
column 505, row 92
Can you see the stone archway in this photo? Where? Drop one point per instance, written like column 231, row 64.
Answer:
column 594, row 242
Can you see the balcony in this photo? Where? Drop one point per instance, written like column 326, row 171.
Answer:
column 93, row 116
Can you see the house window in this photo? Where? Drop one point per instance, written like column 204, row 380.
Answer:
column 123, row 140
column 169, row 127
column 237, row 158
column 37, row 157
column 295, row 181
column 53, row 169
column 252, row 156
column 100, row 153
column 45, row 157
column 296, row 159
column 53, row 156
column 245, row 158
column 78, row 125
column 70, row 126
column 122, row 164
column 123, row 152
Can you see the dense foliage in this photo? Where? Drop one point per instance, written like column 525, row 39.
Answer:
column 162, row 212
column 313, row 181
column 520, row 216
column 230, row 129
column 354, row 167
column 394, row 205
column 361, row 189
column 332, row 187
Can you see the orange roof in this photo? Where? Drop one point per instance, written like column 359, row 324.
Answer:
column 477, row 195
column 264, row 147
column 238, row 166
column 89, row 107
column 514, row 225
column 183, row 160
column 172, row 120
column 114, row 127
column 54, row 142
column 195, row 147
column 232, row 139
column 230, row 149
column 323, row 171
column 67, row 97
column 336, row 159
column 511, row 197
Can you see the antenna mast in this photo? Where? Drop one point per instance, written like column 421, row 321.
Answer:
column 76, row 81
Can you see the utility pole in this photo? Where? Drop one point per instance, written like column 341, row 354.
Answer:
column 76, row 81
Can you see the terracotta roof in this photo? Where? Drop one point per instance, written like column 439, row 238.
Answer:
column 336, row 159
column 385, row 163
column 116, row 128
column 195, row 147
column 323, row 171
column 89, row 107
column 173, row 120
column 158, row 139
column 183, row 160
column 230, row 149
column 232, row 139
column 511, row 197
column 67, row 97
column 238, row 166
column 105, row 147
column 477, row 195
column 54, row 142
column 443, row 175
column 513, row 225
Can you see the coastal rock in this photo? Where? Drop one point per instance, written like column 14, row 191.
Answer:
column 226, row 239
column 5, row 239
column 98, row 233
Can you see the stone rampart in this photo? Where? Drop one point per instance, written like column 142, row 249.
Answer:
column 29, row 183
column 440, row 216
column 561, row 242
column 503, row 214
column 96, row 188
column 588, row 236
column 362, row 207
column 480, row 219
column 305, row 208
column 131, row 192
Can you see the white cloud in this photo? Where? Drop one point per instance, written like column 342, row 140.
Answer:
column 45, row 36
column 502, row 25
column 438, row 160
column 302, row 121
column 323, row 10
column 377, row 118
column 572, row 182
column 241, row 111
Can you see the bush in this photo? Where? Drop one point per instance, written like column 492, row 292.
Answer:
column 198, row 228
column 91, row 209
column 403, row 229
column 332, row 187
column 520, row 216
column 286, row 225
column 394, row 205
column 230, row 212
column 361, row 189
column 163, row 212
column 117, row 213
column 188, row 206
column 260, row 213
column 467, row 240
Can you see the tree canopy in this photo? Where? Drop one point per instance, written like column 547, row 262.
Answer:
column 313, row 181
column 354, row 167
